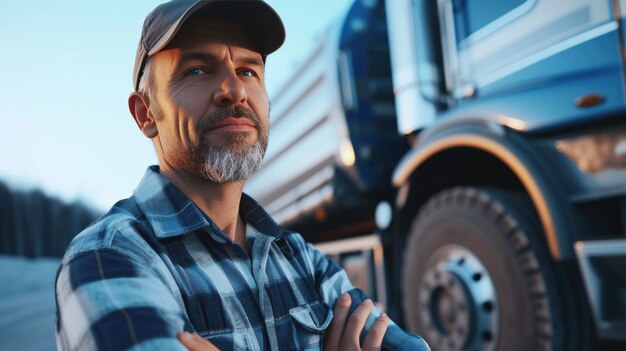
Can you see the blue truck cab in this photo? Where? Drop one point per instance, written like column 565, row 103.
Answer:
column 518, row 112
column 492, row 136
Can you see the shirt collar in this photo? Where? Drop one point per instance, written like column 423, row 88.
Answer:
column 171, row 213
column 256, row 216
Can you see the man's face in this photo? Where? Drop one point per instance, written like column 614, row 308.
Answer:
column 210, row 104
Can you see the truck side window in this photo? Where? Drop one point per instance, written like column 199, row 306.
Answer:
column 347, row 82
column 472, row 15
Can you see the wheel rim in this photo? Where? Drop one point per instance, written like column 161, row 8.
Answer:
column 459, row 309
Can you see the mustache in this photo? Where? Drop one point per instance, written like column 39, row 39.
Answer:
column 207, row 122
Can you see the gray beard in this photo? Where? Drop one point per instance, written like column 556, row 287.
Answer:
column 230, row 164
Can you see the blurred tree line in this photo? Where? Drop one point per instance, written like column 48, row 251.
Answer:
column 33, row 224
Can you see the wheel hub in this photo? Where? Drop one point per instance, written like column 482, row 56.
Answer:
column 458, row 302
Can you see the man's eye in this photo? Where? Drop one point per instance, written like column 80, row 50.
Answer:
column 247, row 73
column 196, row 72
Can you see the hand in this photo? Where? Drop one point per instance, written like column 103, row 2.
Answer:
column 343, row 332
column 194, row 342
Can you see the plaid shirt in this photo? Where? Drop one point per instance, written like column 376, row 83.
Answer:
column 156, row 265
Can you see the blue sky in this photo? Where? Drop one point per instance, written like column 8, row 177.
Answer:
column 65, row 75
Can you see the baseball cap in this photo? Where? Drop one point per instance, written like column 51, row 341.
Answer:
column 162, row 24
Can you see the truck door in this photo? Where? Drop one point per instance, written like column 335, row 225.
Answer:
column 528, row 48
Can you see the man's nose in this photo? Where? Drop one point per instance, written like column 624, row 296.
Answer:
column 231, row 90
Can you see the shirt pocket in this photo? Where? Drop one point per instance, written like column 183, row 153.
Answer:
column 311, row 321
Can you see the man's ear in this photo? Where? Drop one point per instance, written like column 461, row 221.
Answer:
column 139, row 105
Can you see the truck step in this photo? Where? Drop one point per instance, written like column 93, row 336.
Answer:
column 602, row 265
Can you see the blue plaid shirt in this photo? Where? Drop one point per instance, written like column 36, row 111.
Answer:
column 156, row 265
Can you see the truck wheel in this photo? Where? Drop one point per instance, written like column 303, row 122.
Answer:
column 477, row 276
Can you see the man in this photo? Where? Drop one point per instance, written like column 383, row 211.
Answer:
column 189, row 261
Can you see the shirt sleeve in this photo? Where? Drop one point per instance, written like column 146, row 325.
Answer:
column 107, row 301
column 332, row 281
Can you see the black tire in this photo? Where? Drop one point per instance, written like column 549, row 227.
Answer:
column 477, row 276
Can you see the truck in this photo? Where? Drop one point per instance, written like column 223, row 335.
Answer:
column 476, row 151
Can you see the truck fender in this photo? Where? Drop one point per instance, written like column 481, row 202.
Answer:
column 546, row 202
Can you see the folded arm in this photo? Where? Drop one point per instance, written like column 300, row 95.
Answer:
column 332, row 282
column 108, row 301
